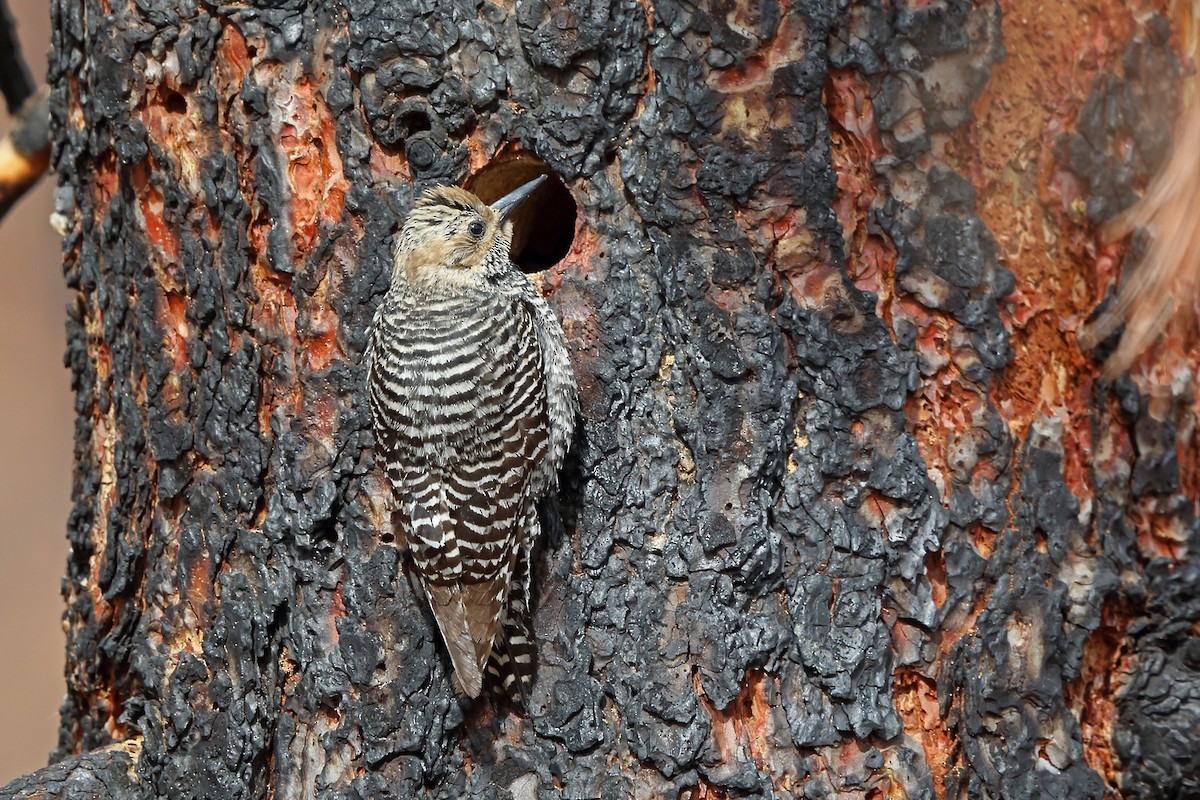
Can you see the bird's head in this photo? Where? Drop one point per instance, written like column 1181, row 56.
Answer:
column 452, row 238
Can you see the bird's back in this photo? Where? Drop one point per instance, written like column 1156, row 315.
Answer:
column 457, row 387
column 459, row 400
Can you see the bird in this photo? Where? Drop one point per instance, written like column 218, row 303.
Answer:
column 473, row 403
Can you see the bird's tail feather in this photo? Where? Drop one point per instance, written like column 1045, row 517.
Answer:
column 514, row 662
column 468, row 616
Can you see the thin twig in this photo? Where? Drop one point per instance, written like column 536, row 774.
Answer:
column 25, row 152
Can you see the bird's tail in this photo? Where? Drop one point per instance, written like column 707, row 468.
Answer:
column 467, row 617
column 514, row 660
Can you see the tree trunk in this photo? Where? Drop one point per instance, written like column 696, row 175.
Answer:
column 849, row 514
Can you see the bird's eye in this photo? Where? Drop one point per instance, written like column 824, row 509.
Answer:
column 476, row 229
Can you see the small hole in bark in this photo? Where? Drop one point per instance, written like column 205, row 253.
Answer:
column 544, row 226
column 414, row 122
column 175, row 103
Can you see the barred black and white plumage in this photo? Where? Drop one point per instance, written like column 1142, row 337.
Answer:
column 474, row 404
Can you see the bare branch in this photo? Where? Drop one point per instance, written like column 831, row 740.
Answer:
column 15, row 81
column 25, row 152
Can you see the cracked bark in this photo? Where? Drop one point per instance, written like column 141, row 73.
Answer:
column 849, row 514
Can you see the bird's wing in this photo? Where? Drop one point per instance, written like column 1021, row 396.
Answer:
column 495, row 521
column 487, row 496
column 448, row 538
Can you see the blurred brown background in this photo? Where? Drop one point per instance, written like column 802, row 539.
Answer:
column 36, row 422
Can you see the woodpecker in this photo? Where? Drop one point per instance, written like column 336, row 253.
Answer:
column 474, row 404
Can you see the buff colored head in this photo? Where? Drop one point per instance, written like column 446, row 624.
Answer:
column 452, row 238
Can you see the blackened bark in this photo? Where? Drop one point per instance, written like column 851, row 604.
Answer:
column 103, row 774
column 825, row 533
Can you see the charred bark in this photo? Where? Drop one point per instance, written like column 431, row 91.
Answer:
column 849, row 514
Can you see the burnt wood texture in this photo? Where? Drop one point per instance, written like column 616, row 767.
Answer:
column 848, row 514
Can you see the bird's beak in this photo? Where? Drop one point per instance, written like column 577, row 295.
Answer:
column 506, row 205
